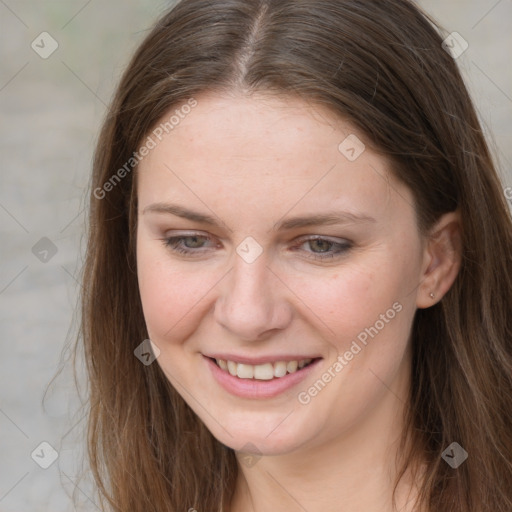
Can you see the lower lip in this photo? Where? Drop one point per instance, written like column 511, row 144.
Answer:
column 252, row 388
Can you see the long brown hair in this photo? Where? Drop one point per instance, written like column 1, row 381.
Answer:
column 381, row 66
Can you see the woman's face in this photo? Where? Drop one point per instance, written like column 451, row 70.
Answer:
column 269, row 237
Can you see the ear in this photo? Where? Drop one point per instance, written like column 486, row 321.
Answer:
column 441, row 260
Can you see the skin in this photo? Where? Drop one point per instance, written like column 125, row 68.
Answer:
column 250, row 162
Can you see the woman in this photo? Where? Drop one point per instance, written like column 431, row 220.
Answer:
column 295, row 203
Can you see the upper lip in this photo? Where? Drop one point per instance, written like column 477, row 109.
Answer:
column 261, row 359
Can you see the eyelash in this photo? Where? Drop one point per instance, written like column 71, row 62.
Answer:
column 173, row 243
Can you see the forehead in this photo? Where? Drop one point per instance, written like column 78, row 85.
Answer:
column 257, row 127
column 257, row 157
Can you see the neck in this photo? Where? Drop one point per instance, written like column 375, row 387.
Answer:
column 350, row 472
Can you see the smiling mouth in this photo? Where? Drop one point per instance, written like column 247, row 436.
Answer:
column 266, row 371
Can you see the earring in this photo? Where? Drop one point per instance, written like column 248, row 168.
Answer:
column 432, row 296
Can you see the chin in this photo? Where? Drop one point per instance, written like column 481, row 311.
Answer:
column 267, row 435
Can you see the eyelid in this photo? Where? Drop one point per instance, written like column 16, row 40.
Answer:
column 329, row 238
column 176, row 234
column 343, row 244
column 188, row 235
column 172, row 242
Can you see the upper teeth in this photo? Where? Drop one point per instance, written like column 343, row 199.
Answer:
column 265, row 371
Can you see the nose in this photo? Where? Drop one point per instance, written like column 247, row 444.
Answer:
column 252, row 302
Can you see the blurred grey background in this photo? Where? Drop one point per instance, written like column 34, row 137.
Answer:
column 51, row 106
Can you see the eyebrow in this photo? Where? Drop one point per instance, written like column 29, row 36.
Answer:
column 325, row 219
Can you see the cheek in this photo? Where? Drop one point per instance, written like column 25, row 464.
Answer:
column 349, row 299
column 172, row 297
column 366, row 316
column 370, row 302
